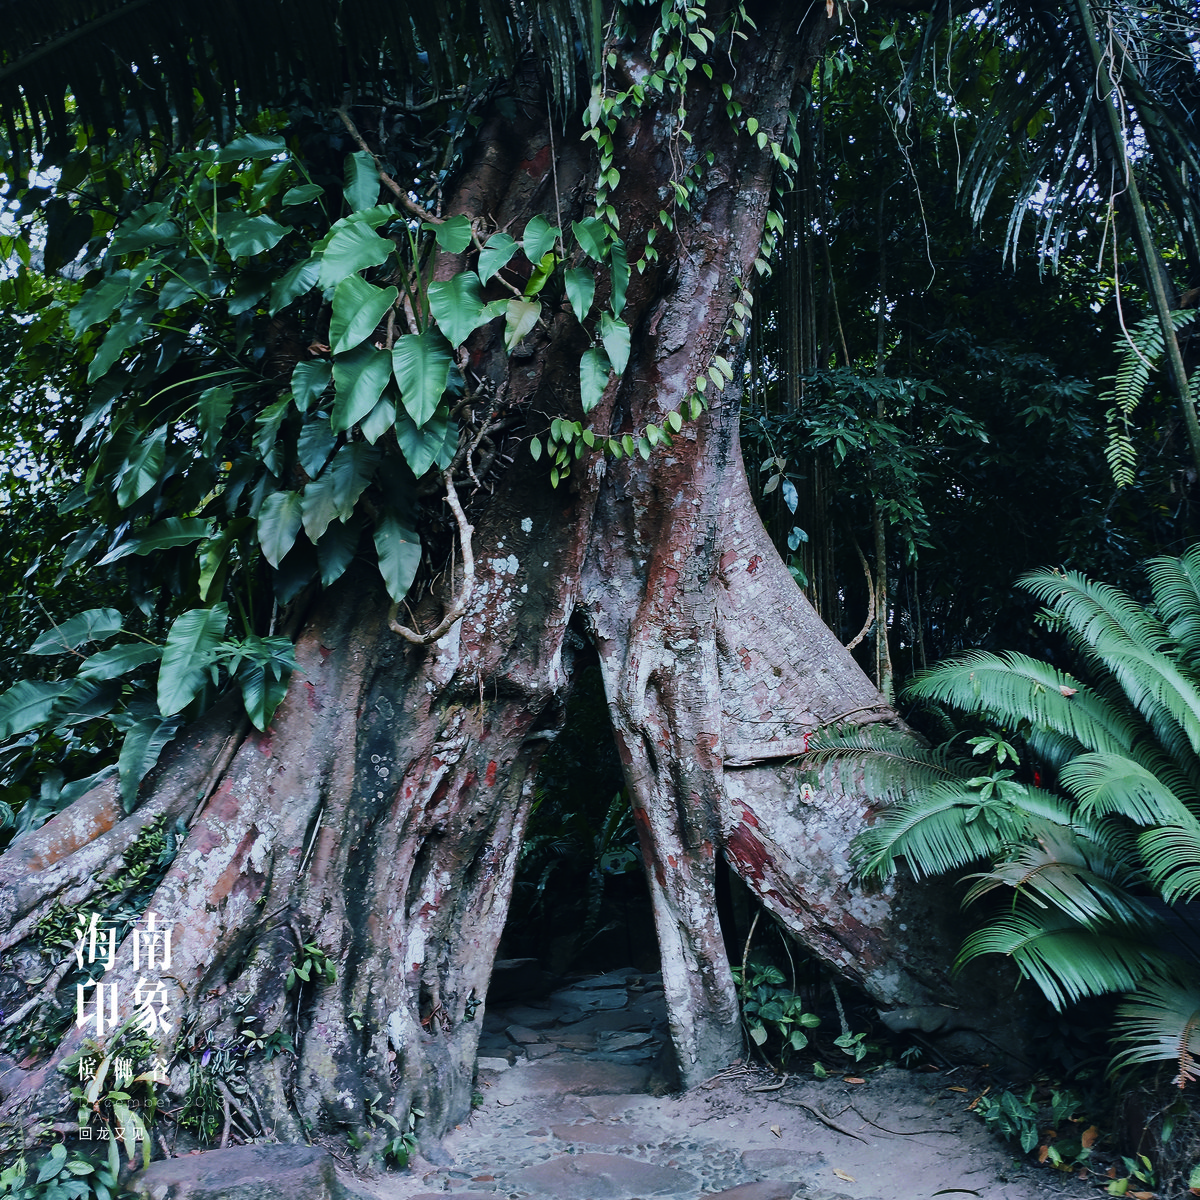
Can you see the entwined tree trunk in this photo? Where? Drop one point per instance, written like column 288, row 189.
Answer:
column 381, row 816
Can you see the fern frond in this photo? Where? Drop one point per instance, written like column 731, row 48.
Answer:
column 1014, row 688
column 1172, row 857
column 1064, row 959
column 891, row 764
column 1119, row 451
column 1061, row 868
column 1114, row 785
column 942, row 829
column 1175, row 583
column 1161, row 1023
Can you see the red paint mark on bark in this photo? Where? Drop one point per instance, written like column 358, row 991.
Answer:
column 748, row 851
column 672, row 861
column 469, row 779
column 727, row 560
column 427, row 909
column 754, row 564
column 264, row 744
column 310, row 693
column 490, row 777
column 539, row 164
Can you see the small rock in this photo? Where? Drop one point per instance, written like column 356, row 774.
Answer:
column 523, row 1035
column 535, row 1052
column 771, row 1189
column 492, row 1064
column 590, row 998
column 624, row 1041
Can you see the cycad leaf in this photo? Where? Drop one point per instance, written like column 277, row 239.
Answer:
column 1160, row 1022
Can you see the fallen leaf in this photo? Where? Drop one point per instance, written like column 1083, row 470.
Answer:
column 776, row 1131
column 956, row 1089
column 1142, row 1195
column 842, row 1175
column 1087, row 1139
column 1070, row 691
column 852, row 1079
column 1042, row 1152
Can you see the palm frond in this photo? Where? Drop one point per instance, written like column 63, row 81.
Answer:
column 943, row 828
column 1160, row 1022
column 1064, row 959
column 1061, row 868
column 1014, row 689
column 1175, row 583
column 891, row 764
column 1172, row 857
column 1114, row 785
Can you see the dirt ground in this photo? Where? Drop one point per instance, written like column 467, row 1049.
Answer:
column 568, row 1110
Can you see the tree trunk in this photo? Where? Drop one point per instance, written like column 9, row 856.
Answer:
column 381, row 816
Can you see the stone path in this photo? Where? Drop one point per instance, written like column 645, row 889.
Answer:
column 576, row 1104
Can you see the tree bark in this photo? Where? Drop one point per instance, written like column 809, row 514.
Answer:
column 381, row 816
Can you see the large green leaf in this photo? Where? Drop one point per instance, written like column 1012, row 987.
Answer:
column 433, row 445
column 458, row 306
column 120, row 660
column 380, row 419
column 278, row 525
column 335, row 551
column 496, row 252
column 358, row 307
column 213, row 411
column 359, row 379
column 361, row 187
column 334, row 494
column 98, row 303
column 399, row 550
column 581, row 290
column 188, row 654
column 539, row 239
column 264, row 667
column 353, row 246
column 614, row 334
column 620, row 276
column 519, row 319
column 453, row 234
column 162, row 535
column 125, row 333
column 309, row 381
column 245, row 235
column 251, row 146
column 139, row 752
column 593, row 377
column 95, row 625
column 421, row 363
column 590, row 235
column 26, row 705
column 314, row 446
column 142, row 468
column 295, row 281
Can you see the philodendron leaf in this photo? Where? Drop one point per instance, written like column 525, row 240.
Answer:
column 335, row 551
column 188, row 653
column 432, row 445
column 519, row 319
column 353, row 246
column 95, row 625
column 213, row 411
column 140, row 751
column 590, row 235
column 497, row 250
column 120, row 660
column 27, row 704
column 358, row 307
column 142, row 468
column 539, row 240
column 162, row 535
column 359, row 379
column 615, row 336
column 453, row 234
column 361, row 187
column 309, row 381
column 278, row 524
column 458, row 307
column 620, row 276
column 421, row 364
column 245, row 235
column 581, row 290
column 294, row 282
column 594, row 368
column 399, row 550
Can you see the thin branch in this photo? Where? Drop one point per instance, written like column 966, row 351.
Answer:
column 456, row 610
column 862, row 633
column 405, row 199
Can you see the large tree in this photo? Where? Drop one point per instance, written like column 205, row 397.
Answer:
column 330, row 429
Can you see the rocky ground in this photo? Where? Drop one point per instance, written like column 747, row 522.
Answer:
column 576, row 1103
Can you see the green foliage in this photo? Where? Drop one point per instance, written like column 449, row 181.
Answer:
column 1092, row 868
column 772, row 1012
column 59, row 1175
column 312, row 965
column 1030, row 1119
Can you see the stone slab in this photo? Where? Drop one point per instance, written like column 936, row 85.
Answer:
column 523, row 1035
column 614, row 1041
column 612, row 1021
column 592, row 1133
column 521, row 1014
column 777, row 1162
column 588, row 999
column 619, row 978
column 580, row 1077
column 601, row 1177
column 575, row 1041
column 493, row 1064
column 535, row 1052
column 262, row 1172
column 770, row 1189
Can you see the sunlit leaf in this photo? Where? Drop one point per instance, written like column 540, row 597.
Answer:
column 95, row 625
column 539, row 239
column 192, row 639
column 615, row 336
column 142, row 468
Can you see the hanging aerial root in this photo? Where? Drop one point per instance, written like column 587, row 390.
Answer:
column 456, row 610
